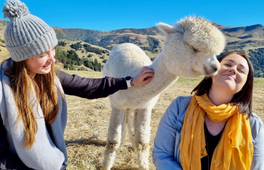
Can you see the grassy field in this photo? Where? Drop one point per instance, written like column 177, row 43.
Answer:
column 86, row 130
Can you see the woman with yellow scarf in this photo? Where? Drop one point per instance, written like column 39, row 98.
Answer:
column 215, row 128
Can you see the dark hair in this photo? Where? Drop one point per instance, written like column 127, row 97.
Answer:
column 243, row 98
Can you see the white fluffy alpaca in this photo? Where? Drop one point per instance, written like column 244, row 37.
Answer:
column 189, row 50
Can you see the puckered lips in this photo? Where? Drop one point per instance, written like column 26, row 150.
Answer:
column 230, row 76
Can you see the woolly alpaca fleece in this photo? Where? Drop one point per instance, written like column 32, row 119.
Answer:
column 212, row 38
column 196, row 39
column 189, row 50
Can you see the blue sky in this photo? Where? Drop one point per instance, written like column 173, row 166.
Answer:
column 106, row 15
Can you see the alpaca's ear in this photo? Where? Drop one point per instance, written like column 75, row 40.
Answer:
column 166, row 28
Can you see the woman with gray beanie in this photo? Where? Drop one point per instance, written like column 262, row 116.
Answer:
column 33, row 109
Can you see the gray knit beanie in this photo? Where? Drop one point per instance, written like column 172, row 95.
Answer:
column 26, row 35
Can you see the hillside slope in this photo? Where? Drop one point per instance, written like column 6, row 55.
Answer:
column 249, row 39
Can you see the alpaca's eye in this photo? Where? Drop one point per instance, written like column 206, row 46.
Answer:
column 195, row 50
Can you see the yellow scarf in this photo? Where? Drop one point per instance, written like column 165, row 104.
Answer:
column 234, row 150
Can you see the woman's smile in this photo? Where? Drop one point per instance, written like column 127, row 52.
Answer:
column 230, row 76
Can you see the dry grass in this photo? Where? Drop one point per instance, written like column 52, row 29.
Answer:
column 4, row 54
column 86, row 130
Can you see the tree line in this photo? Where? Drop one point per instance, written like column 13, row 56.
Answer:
column 88, row 48
column 72, row 61
column 257, row 59
column 153, row 44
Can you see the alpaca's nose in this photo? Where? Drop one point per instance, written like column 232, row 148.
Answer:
column 214, row 67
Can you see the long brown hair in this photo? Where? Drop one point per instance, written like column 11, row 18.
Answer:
column 243, row 98
column 23, row 87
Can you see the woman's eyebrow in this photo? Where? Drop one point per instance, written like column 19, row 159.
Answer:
column 230, row 60
column 43, row 53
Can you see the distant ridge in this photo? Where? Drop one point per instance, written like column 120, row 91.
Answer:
column 249, row 39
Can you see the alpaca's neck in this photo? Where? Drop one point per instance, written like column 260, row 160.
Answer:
column 162, row 79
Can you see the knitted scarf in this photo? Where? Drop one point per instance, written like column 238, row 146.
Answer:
column 45, row 153
column 235, row 148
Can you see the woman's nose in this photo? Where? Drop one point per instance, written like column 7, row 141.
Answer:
column 53, row 59
column 232, row 70
column 52, row 56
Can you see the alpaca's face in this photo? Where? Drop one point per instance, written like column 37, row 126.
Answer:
column 186, row 61
column 206, row 64
column 191, row 46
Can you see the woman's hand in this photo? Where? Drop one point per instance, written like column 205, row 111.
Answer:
column 144, row 77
